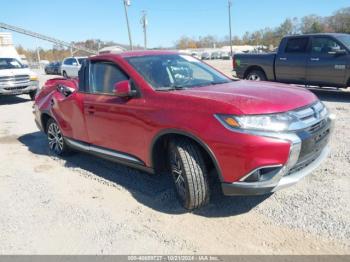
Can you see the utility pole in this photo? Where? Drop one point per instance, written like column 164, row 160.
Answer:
column 144, row 23
column 126, row 4
column 229, row 24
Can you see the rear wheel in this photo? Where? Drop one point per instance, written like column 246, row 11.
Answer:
column 55, row 138
column 189, row 173
column 256, row 75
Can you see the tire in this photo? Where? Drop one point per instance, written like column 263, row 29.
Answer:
column 64, row 74
column 32, row 95
column 55, row 139
column 46, row 72
column 256, row 75
column 189, row 173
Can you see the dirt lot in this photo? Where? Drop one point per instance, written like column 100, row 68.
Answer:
column 83, row 205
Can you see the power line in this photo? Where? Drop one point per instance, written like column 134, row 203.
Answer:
column 46, row 38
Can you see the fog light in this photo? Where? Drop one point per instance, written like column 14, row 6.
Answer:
column 262, row 174
column 255, row 177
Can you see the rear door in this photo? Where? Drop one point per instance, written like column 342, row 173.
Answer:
column 291, row 60
column 67, row 66
column 324, row 67
column 75, row 68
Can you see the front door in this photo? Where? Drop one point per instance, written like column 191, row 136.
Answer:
column 112, row 122
column 290, row 64
column 324, row 67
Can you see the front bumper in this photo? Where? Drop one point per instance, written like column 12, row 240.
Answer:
column 18, row 89
column 307, row 152
column 260, row 188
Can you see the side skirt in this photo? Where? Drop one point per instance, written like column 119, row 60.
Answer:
column 108, row 154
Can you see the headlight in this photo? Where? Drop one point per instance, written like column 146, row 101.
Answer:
column 33, row 78
column 273, row 122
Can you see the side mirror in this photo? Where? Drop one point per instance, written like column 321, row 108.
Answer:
column 123, row 89
column 65, row 90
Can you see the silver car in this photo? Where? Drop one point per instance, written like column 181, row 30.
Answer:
column 71, row 66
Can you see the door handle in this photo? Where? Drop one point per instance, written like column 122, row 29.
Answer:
column 91, row 110
column 283, row 58
column 314, row 59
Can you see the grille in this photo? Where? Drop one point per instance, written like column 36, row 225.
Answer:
column 15, row 78
column 311, row 115
column 10, row 82
column 15, row 88
column 302, row 164
column 314, row 135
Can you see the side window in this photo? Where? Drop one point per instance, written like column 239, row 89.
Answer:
column 68, row 61
column 74, row 61
column 103, row 76
column 324, row 45
column 297, row 45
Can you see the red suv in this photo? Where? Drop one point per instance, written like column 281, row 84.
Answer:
column 165, row 111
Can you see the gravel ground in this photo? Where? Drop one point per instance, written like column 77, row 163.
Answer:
column 83, row 205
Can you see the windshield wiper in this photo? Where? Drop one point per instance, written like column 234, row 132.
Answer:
column 218, row 83
column 170, row 88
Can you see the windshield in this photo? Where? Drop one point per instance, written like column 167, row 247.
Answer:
column 345, row 39
column 9, row 63
column 175, row 71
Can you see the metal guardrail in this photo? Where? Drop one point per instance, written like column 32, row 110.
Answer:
column 46, row 38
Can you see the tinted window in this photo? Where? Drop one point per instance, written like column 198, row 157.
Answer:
column 324, row 45
column 9, row 63
column 81, row 60
column 103, row 77
column 297, row 45
column 68, row 61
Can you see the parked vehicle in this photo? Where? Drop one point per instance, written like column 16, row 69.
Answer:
column 225, row 55
column 16, row 79
column 205, row 56
column 196, row 55
column 71, row 66
column 215, row 55
column 161, row 110
column 53, row 68
column 314, row 59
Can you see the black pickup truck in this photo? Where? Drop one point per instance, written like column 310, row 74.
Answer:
column 313, row 59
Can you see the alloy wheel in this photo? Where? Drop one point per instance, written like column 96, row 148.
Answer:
column 55, row 138
column 178, row 175
column 254, row 77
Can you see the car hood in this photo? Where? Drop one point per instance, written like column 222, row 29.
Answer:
column 249, row 97
column 15, row 71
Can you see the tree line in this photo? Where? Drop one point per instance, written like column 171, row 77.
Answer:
column 338, row 22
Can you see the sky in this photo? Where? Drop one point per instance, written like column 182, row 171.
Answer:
column 168, row 20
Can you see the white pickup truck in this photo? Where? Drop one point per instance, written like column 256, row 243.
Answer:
column 16, row 79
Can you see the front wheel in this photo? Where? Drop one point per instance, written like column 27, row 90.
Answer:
column 65, row 74
column 32, row 95
column 55, row 138
column 189, row 173
column 256, row 75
